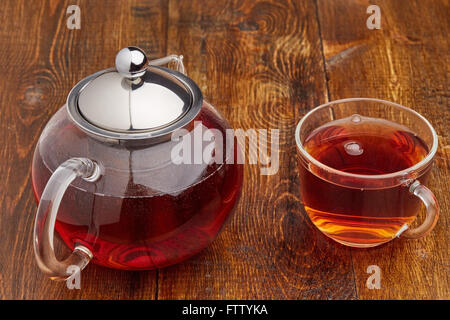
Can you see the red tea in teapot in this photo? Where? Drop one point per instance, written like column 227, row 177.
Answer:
column 139, row 219
column 366, row 146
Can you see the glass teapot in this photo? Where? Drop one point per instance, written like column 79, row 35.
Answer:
column 116, row 171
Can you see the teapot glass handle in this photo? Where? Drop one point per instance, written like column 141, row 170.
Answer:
column 428, row 198
column 44, row 224
column 177, row 60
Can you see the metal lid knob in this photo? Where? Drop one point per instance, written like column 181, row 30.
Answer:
column 131, row 62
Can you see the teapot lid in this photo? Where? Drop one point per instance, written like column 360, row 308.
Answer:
column 135, row 100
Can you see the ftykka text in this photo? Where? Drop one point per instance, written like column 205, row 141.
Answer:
column 231, row 309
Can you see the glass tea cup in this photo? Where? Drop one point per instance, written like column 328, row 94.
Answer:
column 362, row 165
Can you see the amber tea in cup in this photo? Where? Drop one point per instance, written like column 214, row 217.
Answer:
column 360, row 165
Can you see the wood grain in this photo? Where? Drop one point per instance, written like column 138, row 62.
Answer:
column 263, row 64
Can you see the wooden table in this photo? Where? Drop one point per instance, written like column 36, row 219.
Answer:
column 264, row 64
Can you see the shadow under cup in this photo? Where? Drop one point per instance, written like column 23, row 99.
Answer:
column 366, row 210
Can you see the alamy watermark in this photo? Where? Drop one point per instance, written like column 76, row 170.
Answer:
column 374, row 20
column 74, row 20
column 74, row 280
column 206, row 145
column 374, row 281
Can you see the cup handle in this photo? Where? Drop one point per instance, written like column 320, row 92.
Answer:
column 428, row 198
column 44, row 224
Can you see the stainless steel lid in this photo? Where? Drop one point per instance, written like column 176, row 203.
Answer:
column 136, row 99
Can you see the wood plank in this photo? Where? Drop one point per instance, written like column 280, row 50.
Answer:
column 260, row 63
column 41, row 60
column 406, row 61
